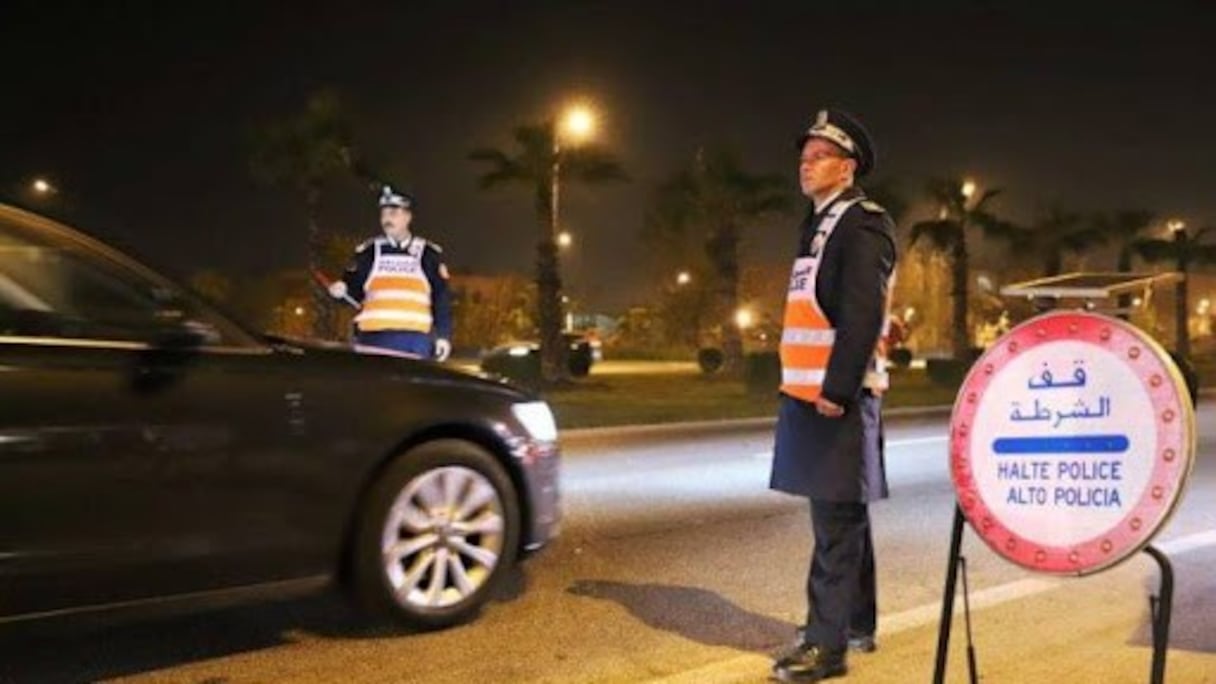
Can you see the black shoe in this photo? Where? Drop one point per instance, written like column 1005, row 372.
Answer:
column 862, row 643
column 858, row 641
column 809, row 663
column 792, row 653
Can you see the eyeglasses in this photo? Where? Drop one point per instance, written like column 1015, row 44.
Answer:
column 816, row 157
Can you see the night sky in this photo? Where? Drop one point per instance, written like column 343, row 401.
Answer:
column 139, row 112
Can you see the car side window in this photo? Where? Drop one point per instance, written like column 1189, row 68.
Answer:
column 51, row 289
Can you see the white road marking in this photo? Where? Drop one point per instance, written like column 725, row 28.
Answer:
column 937, row 439
column 909, row 441
column 1190, row 542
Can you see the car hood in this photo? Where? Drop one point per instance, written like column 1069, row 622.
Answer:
column 392, row 367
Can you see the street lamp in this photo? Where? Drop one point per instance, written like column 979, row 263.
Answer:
column 683, row 278
column 579, row 122
column 575, row 124
column 968, row 188
column 1182, row 249
column 744, row 319
column 42, row 187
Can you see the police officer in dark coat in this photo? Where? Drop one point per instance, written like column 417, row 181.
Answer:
column 829, row 443
column 400, row 283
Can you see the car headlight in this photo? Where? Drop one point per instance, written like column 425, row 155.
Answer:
column 537, row 419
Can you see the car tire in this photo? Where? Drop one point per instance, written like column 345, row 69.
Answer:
column 437, row 535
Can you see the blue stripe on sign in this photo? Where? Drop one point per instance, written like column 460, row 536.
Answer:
column 1076, row 444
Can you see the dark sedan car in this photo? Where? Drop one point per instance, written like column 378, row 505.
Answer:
column 152, row 448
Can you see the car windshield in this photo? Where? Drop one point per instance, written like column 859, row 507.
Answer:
column 53, row 284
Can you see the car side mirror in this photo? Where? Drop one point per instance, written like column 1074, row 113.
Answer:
column 185, row 335
column 170, row 354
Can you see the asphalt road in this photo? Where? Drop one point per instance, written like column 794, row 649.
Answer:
column 677, row 564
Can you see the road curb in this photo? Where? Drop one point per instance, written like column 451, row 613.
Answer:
column 729, row 424
column 750, row 423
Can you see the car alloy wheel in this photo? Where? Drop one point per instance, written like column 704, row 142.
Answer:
column 443, row 537
column 438, row 532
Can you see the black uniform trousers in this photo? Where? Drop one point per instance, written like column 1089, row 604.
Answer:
column 841, row 585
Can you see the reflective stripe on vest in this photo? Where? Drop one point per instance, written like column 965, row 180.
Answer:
column 806, row 336
column 790, row 376
column 397, row 293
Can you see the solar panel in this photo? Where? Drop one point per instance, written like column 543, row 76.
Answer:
column 1089, row 285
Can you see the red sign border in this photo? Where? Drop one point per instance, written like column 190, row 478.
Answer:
column 1176, row 440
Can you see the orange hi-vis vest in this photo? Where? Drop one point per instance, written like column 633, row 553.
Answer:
column 807, row 336
column 397, row 293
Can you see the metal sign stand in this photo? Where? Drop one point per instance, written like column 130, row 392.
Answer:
column 1160, row 609
column 1045, row 292
column 947, row 618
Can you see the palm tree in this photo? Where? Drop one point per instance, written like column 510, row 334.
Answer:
column 957, row 218
column 532, row 165
column 673, row 248
column 302, row 153
column 1123, row 228
column 1057, row 232
column 1184, row 251
column 716, row 199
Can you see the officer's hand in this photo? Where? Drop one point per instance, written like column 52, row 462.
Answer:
column 337, row 289
column 828, row 409
column 443, row 349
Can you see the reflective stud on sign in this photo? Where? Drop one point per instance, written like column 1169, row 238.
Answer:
column 1136, row 524
column 1074, row 558
column 1011, row 544
column 1040, row 556
column 1158, row 492
column 1155, row 381
column 1107, row 546
column 988, row 368
column 1072, row 329
column 971, row 398
column 986, row 523
column 1104, row 335
column 1170, row 455
column 1041, row 333
column 1013, row 346
column 1168, row 416
column 1133, row 353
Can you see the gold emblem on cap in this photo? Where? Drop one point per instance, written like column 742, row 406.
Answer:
column 821, row 119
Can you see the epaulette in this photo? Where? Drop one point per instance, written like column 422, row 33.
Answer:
column 434, row 246
column 365, row 244
column 872, row 207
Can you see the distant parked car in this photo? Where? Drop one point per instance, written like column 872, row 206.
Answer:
column 521, row 360
column 151, row 447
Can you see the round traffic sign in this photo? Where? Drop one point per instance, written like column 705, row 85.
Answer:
column 1070, row 442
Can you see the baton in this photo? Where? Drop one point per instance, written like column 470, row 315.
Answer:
column 326, row 282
